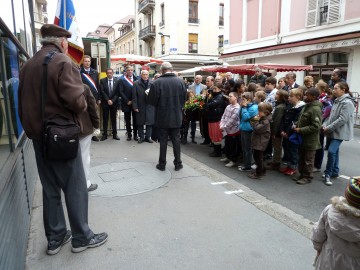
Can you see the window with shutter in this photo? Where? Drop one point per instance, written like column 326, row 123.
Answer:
column 334, row 11
column 312, row 13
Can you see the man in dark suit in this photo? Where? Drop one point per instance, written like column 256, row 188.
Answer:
column 109, row 97
column 90, row 77
column 168, row 95
column 125, row 87
column 291, row 81
column 145, row 113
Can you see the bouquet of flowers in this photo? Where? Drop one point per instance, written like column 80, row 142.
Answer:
column 195, row 102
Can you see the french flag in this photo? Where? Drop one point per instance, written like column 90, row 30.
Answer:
column 66, row 18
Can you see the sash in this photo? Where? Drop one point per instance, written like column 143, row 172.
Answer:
column 130, row 82
column 90, row 82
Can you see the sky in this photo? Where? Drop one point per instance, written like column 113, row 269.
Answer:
column 90, row 15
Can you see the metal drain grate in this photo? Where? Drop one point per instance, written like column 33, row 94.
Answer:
column 127, row 178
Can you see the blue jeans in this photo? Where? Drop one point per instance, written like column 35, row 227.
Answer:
column 332, row 165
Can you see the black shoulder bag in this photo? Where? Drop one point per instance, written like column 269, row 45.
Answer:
column 61, row 135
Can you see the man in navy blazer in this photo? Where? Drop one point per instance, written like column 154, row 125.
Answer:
column 109, row 97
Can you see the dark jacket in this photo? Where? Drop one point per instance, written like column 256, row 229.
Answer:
column 125, row 91
column 104, row 91
column 261, row 134
column 168, row 94
column 215, row 107
column 291, row 116
column 277, row 118
column 95, row 77
column 64, row 90
column 309, row 122
column 288, row 88
column 89, row 119
column 146, row 114
column 258, row 79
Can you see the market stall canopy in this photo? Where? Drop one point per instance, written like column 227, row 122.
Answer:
column 249, row 69
column 190, row 71
column 134, row 59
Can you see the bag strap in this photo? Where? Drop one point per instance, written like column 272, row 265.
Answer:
column 47, row 59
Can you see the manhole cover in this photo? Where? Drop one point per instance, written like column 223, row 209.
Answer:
column 127, row 178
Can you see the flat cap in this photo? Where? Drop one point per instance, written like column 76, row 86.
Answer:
column 53, row 30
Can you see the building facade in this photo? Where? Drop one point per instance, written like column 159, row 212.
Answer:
column 18, row 173
column 322, row 33
column 191, row 38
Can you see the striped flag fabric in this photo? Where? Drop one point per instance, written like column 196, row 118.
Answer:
column 65, row 17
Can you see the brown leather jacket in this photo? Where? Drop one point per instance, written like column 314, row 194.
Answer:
column 64, row 90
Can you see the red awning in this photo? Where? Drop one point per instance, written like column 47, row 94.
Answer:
column 249, row 69
column 134, row 59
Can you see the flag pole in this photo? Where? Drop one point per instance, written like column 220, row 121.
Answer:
column 64, row 1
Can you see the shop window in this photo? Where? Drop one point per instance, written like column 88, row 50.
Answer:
column 10, row 125
column 193, row 43
column 317, row 59
column 338, row 58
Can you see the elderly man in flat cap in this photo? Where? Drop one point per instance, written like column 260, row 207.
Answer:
column 65, row 98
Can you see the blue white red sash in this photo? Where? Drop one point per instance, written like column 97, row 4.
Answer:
column 90, row 82
column 130, row 82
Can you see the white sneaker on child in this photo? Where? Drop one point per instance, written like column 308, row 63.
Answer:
column 230, row 164
column 225, row 159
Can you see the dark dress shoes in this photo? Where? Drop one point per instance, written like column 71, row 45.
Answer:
column 160, row 167
column 95, row 139
column 128, row 139
column 103, row 138
column 140, row 140
column 92, row 187
column 149, row 140
column 116, row 137
column 178, row 167
column 135, row 138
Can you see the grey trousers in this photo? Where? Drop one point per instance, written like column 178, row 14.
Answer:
column 68, row 176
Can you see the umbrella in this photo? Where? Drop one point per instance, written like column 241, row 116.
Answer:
column 248, row 69
column 134, row 59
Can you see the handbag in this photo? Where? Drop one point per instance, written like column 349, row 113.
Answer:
column 296, row 138
column 61, row 135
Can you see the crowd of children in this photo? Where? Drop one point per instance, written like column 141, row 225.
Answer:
column 281, row 121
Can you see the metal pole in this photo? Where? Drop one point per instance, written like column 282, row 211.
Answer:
column 64, row 19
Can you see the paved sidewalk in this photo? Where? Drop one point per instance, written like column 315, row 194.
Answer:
column 196, row 218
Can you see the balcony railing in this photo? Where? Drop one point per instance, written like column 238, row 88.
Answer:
column 145, row 5
column 194, row 20
column 147, row 32
column 221, row 22
column 162, row 23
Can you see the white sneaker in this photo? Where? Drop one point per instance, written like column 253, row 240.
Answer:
column 230, row 164
column 253, row 166
column 225, row 159
column 328, row 181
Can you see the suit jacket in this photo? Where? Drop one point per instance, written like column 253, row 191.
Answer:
column 104, row 91
column 146, row 114
column 288, row 88
column 202, row 87
column 95, row 77
column 125, row 90
column 89, row 119
column 168, row 95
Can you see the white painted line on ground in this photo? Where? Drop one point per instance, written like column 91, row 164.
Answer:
column 219, row 183
column 233, row 191
column 345, row 177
